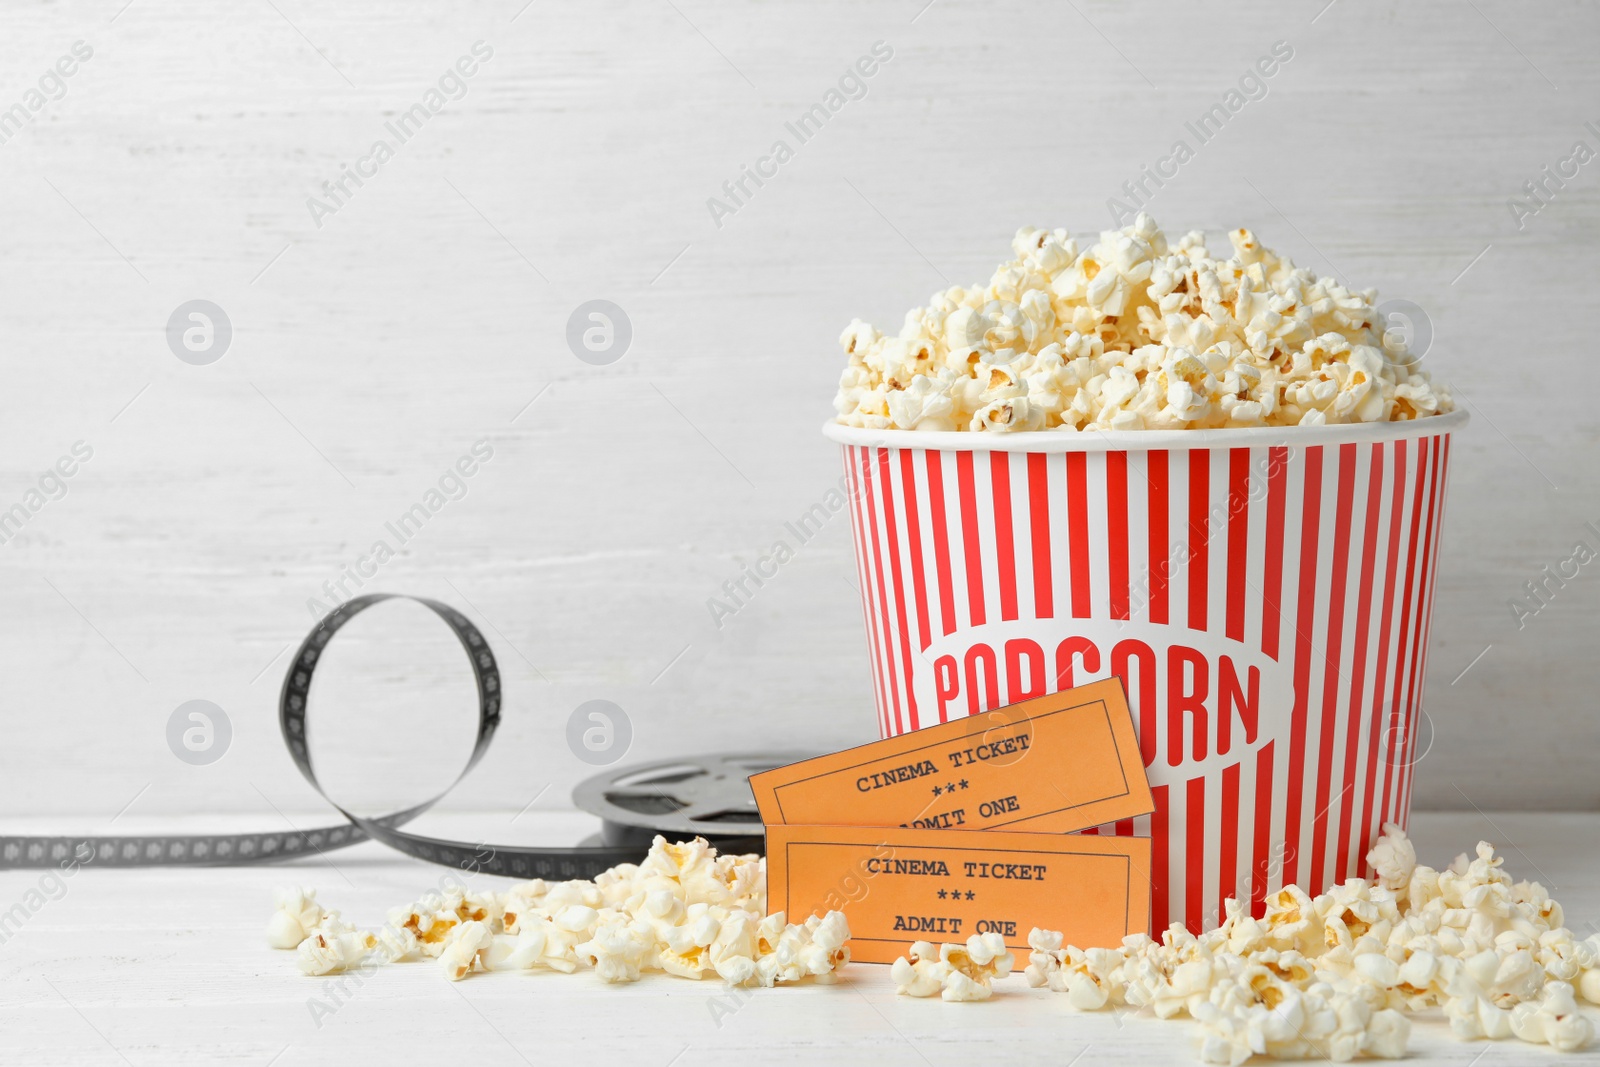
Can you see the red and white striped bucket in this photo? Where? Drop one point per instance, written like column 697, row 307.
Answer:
column 1264, row 595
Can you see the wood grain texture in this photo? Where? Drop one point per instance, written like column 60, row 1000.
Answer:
column 163, row 967
column 429, row 311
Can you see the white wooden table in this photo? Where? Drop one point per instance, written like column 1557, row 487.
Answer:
column 167, row 967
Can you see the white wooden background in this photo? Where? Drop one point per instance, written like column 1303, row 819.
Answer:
column 430, row 312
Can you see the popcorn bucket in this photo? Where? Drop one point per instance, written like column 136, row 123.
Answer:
column 1264, row 595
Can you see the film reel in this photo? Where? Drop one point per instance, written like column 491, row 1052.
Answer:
column 706, row 796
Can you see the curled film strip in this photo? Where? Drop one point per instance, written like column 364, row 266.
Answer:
column 202, row 850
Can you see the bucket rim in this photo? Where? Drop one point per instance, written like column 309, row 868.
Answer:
column 1051, row 441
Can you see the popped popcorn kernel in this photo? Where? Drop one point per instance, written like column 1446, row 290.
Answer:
column 464, row 949
column 1393, row 857
column 333, row 946
column 919, row 973
column 297, row 914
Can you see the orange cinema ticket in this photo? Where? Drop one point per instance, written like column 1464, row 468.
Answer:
column 897, row 885
column 1054, row 764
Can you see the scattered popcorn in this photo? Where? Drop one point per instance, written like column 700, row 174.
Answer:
column 956, row 972
column 919, row 973
column 297, row 915
column 1135, row 333
column 618, row 949
column 983, row 958
column 520, row 899
column 829, row 951
column 333, row 946
column 464, row 949
column 548, row 942
column 1332, row 976
column 791, row 952
column 1553, row 1021
column 685, row 910
column 1590, row 985
column 423, row 927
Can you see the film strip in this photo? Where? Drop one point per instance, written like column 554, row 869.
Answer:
column 211, row 850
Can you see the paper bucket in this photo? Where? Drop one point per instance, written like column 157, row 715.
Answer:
column 1264, row 594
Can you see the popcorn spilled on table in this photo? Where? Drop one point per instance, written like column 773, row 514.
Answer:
column 1331, row 976
column 684, row 910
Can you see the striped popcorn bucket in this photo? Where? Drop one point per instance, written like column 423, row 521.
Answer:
column 1263, row 594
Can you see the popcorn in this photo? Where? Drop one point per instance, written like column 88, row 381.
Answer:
column 1332, row 976
column 829, row 949
column 1314, row 1023
column 920, row 973
column 333, row 946
column 563, row 941
column 983, row 959
column 960, row 986
column 519, row 900
column 297, row 915
column 687, row 949
column 545, row 939
column 1393, row 858
column 520, row 952
column 617, row 950
column 959, row 973
column 423, row 926
column 464, row 949
column 789, row 952
column 1135, row 333
column 1090, row 979
column 1552, row 1020
column 685, row 910
column 1044, row 964
column 1472, row 1017
column 1589, row 985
